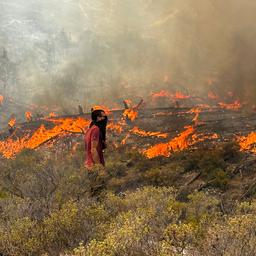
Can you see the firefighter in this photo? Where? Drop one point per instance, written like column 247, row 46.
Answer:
column 95, row 139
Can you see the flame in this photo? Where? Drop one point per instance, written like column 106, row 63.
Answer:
column 115, row 127
column 160, row 94
column 143, row 133
column 180, row 142
column 52, row 114
column 213, row 96
column 179, row 95
column 236, row 105
column 12, row 122
column 10, row 147
column 131, row 114
column 171, row 96
column 248, row 142
column 195, row 111
column 104, row 108
column 123, row 142
column 1, row 100
column 28, row 116
column 202, row 137
column 128, row 102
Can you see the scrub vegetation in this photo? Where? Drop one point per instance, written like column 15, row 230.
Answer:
column 182, row 205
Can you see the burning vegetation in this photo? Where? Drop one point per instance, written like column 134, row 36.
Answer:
column 130, row 125
column 177, row 82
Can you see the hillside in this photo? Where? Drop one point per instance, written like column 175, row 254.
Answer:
column 184, row 204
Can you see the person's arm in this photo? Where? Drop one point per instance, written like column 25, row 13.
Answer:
column 95, row 154
column 94, row 144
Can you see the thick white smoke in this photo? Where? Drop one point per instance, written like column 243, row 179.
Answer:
column 87, row 51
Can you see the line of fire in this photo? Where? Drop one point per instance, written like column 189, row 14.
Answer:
column 186, row 122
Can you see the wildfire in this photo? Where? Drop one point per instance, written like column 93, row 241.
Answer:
column 10, row 147
column 1, row 100
column 195, row 111
column 128, row 103
column 179, row 95
column 52, row 114
column 131, row 114
column 12, row 122
column 115, row 127
column 143, row 133
column 171, row 96
column 28, row 116
column 160, row 94
column 231, row 106
column 202, row 137
column 213, row 96
column 248, row 142
column 180, row 142
column 104, row 108
column 123, row 142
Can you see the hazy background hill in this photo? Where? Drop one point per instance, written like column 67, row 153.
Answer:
column 69, row 51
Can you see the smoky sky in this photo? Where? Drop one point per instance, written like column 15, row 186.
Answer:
column 70, row 52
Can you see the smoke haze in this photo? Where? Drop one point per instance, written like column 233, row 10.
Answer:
column 64, row 53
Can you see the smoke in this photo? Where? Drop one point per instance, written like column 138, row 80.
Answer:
column 102, row 51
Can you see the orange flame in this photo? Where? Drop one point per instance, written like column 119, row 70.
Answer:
column 10, row 147
column 143, row 133
column 130, row 114
column 195, row 111
column 115, row 127
column 52, row 114
column 123, row 142
column 104, row 108
column 1, row 100
column 160, row 94
column 179, row 95
column 180, row 142
column 213, row 96
column 128, row 102
column 171, row 96
column 12, row 122
column 248, row 142
column 231, row 106
column 28, row 116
